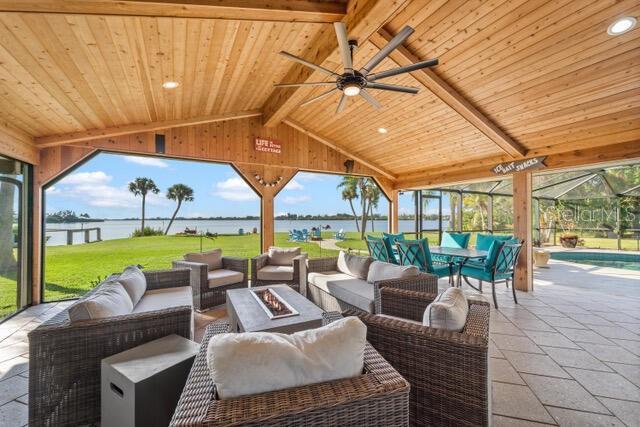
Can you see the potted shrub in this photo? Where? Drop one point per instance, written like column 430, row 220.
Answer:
column 569, row 240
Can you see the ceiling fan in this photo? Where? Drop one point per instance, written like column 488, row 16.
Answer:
column 357, row 82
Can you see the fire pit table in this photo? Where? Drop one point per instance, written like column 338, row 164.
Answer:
column 273, row 308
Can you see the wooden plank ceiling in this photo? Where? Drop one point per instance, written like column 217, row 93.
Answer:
column 546, row 73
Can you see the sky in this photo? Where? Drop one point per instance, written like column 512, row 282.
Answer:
column 99, row 188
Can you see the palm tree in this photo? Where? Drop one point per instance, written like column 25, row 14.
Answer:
column 140, row 187
column 180, row 193
column 349, row 185
column 373, row 194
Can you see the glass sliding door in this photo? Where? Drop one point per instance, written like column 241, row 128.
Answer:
column 13, row 295
column 431, row 216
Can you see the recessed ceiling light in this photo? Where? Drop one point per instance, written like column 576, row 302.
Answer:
column 170, row 85
column 622, row 25
column 382, row 130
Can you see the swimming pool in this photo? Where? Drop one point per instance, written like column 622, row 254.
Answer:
column 601, row 259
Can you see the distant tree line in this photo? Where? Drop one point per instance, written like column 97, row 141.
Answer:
column 68, row 216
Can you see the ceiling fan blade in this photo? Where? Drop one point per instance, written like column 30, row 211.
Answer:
column 343, row 43
column 370, row 99
column 307, row 63
column 401, row 70
column 394, row 88
column 386, row 50
column 342, row 103
column 319, row 97
column 305, row 84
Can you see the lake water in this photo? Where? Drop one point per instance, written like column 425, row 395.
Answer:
column 122, row 229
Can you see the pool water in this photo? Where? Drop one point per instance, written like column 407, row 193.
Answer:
column 601, row 259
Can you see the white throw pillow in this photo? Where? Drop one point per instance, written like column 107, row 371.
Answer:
column 258, row 362
column 379, row 271
column 283, row 256
column 448, row 311
column 354, row 265
column 108, row 301
column 134, row 282
column 213, row 258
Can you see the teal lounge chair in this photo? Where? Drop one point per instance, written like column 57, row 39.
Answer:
column 499, row 265
column 340, row 235
column 378, row 250
column 416, row 252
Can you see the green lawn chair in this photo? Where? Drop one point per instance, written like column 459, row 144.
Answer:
column 498, row 266
column 416, row 252
column 378, row 250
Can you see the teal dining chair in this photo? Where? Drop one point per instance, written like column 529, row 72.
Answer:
column 390, row 240
column 499, row 265
column 452, row 240
column 484, row 241
column 416, row 252
column 378, row 249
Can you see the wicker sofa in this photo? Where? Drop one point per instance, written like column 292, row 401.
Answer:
column 448, row 371
column 335, row 291
column 264, row 272
column 65, row 356
column 210, row 286
column 377, row 398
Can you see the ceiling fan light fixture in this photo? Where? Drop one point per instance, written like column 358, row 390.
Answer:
column 351, row 89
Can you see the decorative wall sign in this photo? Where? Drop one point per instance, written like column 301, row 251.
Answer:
column 519, row 166
column 264, row 183
column 268, row 145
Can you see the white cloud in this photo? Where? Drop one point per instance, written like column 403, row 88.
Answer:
column 147, row 161
column 294, row 185
column 53, row 190
column 235, row 189
column 93, row 189
column 309, row 176
column 294, row 200
column 86, row 178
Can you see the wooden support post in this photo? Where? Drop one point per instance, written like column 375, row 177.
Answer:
column 267, row 235
column 36, row 232
column 393, row 212
column 87, row 236
column 522, row 229
column 99, row 234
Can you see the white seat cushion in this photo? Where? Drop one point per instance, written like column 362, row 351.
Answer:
column 283, row 256
column 258, row 362
column 353, row 291
column 224, row 277
column 110, row 300
column 379, row 271
column 448, row 311
column 159, row 299
column 213, row 258
column 134, row 282
column 276, row 272
column 354, row 265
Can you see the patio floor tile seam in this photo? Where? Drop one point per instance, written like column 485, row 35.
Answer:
column 547, row 405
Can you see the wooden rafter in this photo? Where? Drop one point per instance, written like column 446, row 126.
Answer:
column 16, row 144
column 362, row 20
column 333, row 145
column 450, row 96
column 51, row 141
column 249, row 10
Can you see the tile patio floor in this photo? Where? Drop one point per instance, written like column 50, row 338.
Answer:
column 568, row 354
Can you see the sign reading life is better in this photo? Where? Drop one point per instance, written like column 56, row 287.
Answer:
column 520, row 165
column 268, row 145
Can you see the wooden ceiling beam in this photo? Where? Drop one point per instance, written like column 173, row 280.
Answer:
column 339, row 149
column 237, row 10
column 17, row 144
column 480, row 169
column 429, row 79
column 363, row 19
column 69, row 138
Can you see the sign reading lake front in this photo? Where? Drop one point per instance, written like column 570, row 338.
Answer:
column 268, row 145
column 519, row 166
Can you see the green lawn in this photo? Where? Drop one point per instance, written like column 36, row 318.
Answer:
column 69, row 270
column 8, row 295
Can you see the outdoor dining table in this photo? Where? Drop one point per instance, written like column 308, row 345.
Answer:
column 462, row 255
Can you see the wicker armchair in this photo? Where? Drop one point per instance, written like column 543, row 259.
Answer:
column 448, row 371
column 379, row 397
column 423, row 282
column 262, row 260
column 65, row 357
column 206, row 296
